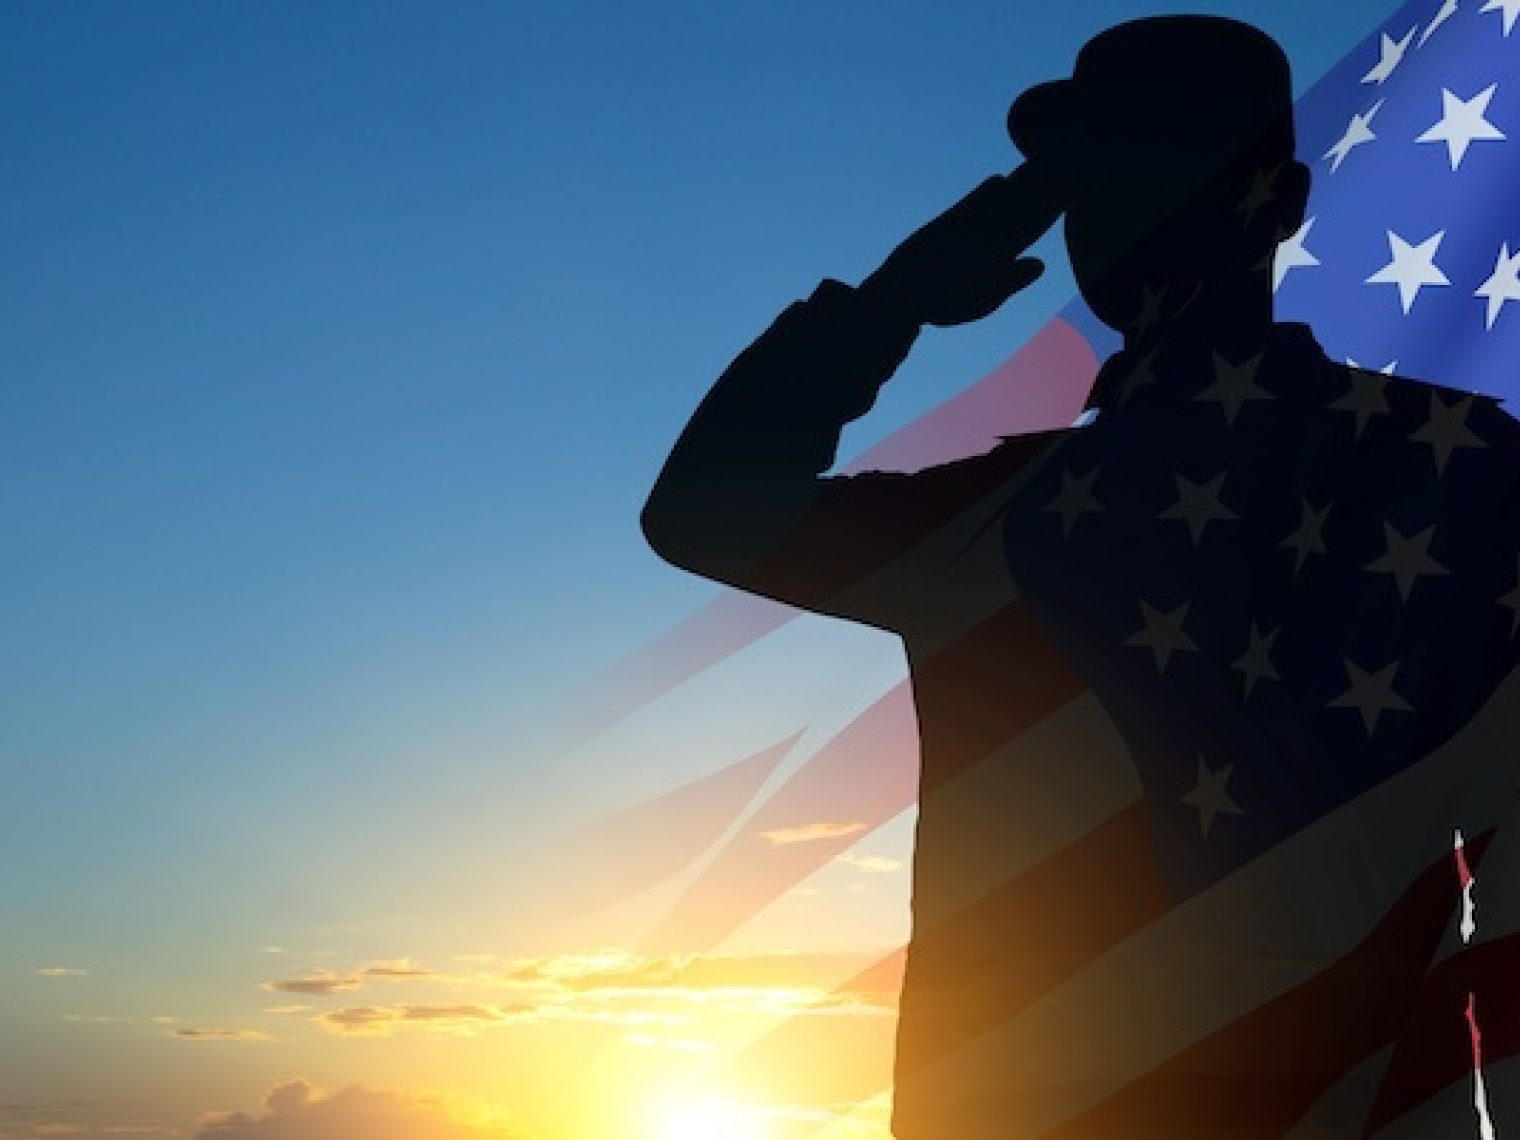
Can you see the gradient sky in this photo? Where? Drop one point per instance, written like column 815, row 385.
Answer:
column 341, row 342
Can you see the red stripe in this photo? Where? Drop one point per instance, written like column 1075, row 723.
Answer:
column 994, row 683
column 1438, row 1046
column 1475, row 1035
column 723, row 627
column 1464, row 869
column 984, row 966
column 1010, row 947
column 627, row 853
column 1255, row 1078
column 1040, row 387
column 1327, row 1025
column 863, row 776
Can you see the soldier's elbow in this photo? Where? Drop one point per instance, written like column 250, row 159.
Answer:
column 656, row 521
column 674, row 531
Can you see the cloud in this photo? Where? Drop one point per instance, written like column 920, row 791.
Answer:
column 62, row 972
column 599, row 970
column 619, row 988
column 621, row 971
column 297, row 1111
column 451, row 1013
column 50, row 1111
column 219, row 1033
column 382, row 1020
column 320, row 982
column 811, row 833
column 611, row 987
column 358, row 1019
column 400, row 969
column 871, row 864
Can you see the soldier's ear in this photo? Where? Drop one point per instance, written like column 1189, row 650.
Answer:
column 1292, row 198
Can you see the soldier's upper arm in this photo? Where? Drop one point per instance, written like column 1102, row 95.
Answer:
column 894, row 550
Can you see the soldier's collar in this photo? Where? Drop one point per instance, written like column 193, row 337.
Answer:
column 1166, row 371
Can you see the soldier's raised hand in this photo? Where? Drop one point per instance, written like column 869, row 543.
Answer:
column 965, row 263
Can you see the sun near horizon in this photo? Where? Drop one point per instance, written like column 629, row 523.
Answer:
column 711, row 1117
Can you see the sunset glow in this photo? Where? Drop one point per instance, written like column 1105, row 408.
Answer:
column 369, row 776
column 709, row 1119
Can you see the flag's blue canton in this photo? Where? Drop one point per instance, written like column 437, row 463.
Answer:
column 1287, row 580
column 1411, row 256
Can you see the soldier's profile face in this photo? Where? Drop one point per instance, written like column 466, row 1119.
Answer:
column 1136, row 239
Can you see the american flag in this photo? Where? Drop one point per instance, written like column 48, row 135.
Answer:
column 1410, row 258
column 1410, row 262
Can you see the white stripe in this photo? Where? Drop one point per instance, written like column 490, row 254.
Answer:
column 1020, row 805
column 1451, row 1115
column 1273, row 925
column 1342, row 1111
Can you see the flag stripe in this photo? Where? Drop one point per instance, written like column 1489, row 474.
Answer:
column 1234, row 1081
column 1039, row 387
column 1030, row 935
column 629, row 852
column 1245, row 941
column 1437, row 1049
column 863, row 776
column 868, row 773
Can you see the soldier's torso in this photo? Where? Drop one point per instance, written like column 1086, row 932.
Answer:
column 1282, row 584
column 1295, row 570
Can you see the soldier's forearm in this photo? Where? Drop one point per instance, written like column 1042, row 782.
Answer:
column 745, row 465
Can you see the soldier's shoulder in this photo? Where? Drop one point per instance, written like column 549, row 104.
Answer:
column 1415, row 403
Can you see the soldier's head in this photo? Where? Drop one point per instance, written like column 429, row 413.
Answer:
column 1172, row 147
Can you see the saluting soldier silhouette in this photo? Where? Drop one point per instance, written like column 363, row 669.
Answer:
column 1204, row 685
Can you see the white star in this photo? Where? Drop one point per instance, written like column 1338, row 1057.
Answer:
column 1504, row 285
column 1358, row 131
column 1367, row 397
column 1150, row 312
column 1309, row 538
column 1234, row 385
column 1407, row 558
column 1140, row 376
column 1198, row 505
column 1510, row 8
column 1076, row 499
column 1256, row 662
column 1370, row 693
column 1263, row 192
column 1162, row 633
column 1293, row 254
column 1448, row 10
column 1511, row 601
column 1462, row 123
column 1391, row 55
column 1209, row 795
column 1412, row 268
column 1447, row 430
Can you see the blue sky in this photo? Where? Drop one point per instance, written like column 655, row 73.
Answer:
column 342, row 342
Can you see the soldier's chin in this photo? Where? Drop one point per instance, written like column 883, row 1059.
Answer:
column 1115, row 302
